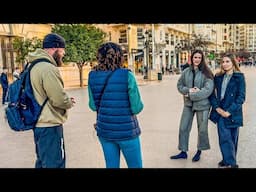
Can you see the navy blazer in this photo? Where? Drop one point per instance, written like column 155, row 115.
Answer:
column 232, row 102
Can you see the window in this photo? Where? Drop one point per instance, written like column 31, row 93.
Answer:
column 167, row 38
column 123, row 36
column 172, row 40
column 140, row 37
column 161, row 35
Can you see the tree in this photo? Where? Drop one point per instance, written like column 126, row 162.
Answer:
column 82, row 42
column 199, row 42
column 24, row 46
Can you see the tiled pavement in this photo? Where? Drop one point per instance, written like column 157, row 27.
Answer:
column 159, row 123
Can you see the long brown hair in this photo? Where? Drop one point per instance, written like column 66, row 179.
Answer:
column 202, row 66
column 234, row 62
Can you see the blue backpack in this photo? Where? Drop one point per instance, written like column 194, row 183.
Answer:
column 23, row 110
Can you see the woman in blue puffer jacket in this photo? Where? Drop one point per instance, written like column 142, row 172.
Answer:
column 114, row 95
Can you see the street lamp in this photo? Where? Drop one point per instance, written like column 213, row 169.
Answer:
column 216, row 49
column 184, row 45
column 178, row 49
column 146, row 37
column 130, row 59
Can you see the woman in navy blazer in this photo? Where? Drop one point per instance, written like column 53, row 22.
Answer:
column 227, row 100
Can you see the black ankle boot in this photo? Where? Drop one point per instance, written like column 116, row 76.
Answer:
column 234, row 166
column 181, row 155
column 222, row 164
column 197, row 156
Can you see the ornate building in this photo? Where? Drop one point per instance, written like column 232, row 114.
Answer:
column 10, row 31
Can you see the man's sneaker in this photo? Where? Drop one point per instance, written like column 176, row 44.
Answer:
column 181, row 155
column 197, row 156
column 233, row 166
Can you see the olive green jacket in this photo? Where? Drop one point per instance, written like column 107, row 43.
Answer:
column 47, row 82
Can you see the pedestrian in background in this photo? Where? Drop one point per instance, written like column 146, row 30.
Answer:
column 184, row 66
column 227, row 112
column 114, row 95
column 196, row 85
column 16, row 73
column 5, row 84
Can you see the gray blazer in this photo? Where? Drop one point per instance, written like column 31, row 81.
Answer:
column 198, row 101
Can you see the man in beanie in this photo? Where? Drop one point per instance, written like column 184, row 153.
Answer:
column 47, row 83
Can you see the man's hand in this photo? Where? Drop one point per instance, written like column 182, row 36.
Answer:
column 73, row 100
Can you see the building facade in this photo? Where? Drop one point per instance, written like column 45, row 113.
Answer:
column 8, row 32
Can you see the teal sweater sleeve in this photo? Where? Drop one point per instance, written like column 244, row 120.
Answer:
column 134, row 94
column 91, row 100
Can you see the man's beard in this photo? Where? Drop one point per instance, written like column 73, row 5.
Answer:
column 58, row 59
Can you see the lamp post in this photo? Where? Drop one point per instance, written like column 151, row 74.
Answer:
column 130, row 59
column 216, row 50
column 147, row 54
column 186, row 46
column 178, row 49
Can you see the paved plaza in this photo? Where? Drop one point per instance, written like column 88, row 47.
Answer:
column 159, row 124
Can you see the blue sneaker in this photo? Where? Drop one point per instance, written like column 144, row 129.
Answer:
column 197, row 156
column 181, row 155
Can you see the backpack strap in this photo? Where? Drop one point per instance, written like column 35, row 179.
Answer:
column 30, row 66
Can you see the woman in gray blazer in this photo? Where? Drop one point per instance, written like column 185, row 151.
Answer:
column 196, row 85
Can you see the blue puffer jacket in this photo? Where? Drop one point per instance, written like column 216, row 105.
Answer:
column 232, row 102
column 115, row 120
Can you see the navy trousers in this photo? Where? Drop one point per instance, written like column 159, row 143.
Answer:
column 4, row 95
column 50, row 150
column 228, row 140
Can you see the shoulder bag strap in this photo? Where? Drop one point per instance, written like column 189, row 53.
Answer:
column 102, row 92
